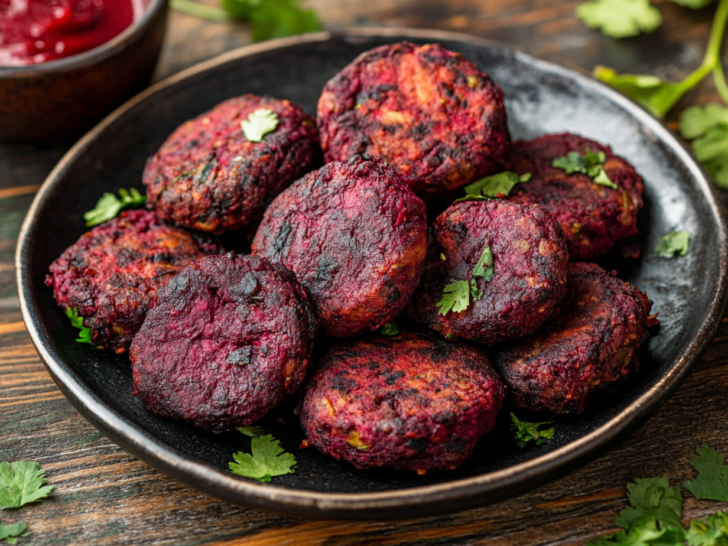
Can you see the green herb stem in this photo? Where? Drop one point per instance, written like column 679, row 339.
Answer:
column 711, row 61
column 200, row 10
column 712, row 54
column 720, row 83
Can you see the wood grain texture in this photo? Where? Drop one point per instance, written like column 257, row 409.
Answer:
column 104, row 496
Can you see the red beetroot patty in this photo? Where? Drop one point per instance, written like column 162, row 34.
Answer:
column 590, row 347
column 227, row 340
column 433, row 115
column 208, row 176
column 405, row 402
column 593, row 217
column 356, row 238
column 529, row 270
column 112, row 273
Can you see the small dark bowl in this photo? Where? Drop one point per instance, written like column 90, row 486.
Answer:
column 65, row 97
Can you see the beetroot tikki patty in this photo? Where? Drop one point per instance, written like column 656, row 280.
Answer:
column 593, row 216
column 496, row 270
column 228, row 339
column 112, row 273
column 209, row 176
column 356, row 238
column 590, row 348
column 406, row 402
column 432, row 114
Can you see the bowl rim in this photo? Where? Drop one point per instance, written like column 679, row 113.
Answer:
column 417, row 501
column 92, row 56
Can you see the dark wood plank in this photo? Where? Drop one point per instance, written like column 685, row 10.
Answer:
column 105, row 496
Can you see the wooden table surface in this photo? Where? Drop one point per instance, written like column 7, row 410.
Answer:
column 105, row 496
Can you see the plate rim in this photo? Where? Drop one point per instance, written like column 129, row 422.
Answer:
column 415, row 501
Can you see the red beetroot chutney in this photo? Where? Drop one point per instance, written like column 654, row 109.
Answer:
column 38, row 31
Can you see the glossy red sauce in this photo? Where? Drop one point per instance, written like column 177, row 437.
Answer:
column 38, row 31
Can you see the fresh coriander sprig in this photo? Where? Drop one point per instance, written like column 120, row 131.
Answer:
column 84, row 336
column 707, row 127
column 268, row 19
column 659, row 96
column 109, row 206
column 493, row 186
column 267, row 459
column 673, row 243
column 11, row 533
column 530, row 432
column 456, row 296
column 589, row 163
column 253, row 431
column 21, row 483
column 655, row 515
column 712, row 479
column 620, row 18
column 259, row 123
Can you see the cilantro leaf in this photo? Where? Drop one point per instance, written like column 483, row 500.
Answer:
column 620, row 18
column 711, row 531
column 259, row 123
column 712, row 151
column 268, row 459
column 390, row 329
column 252, row 431
column 109, row 206
column 602, row 179
column 590, row 163
column 644, row 533
column 22, row 483
column 491, row 186
column 657, row 96
column 652, row 498
column 673, row 243
column 484, row 267
column 280, row 18
column 455, row 297
column 652, row 520
column 84, row 336
column 11, row 533
column 526, row 432
column 712, row 480
column 697, row 120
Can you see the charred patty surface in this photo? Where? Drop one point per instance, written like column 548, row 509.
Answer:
column 208, row 176
column 593, row 217
column 528, row 273
column 113, row 272
column 407, row 402
column 431, row 113
column 227, row 340
column 356, row 238
column 590, row 348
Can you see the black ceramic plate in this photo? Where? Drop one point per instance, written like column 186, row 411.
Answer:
column 688, row 292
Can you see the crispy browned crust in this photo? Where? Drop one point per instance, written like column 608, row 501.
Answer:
column 590, row 348
column 593, row 217
column 356, row 238
column 208, row 176
column 227, row 340
column 406, row 402
column 112, row 273
column 433, row 115
column 529, row 263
